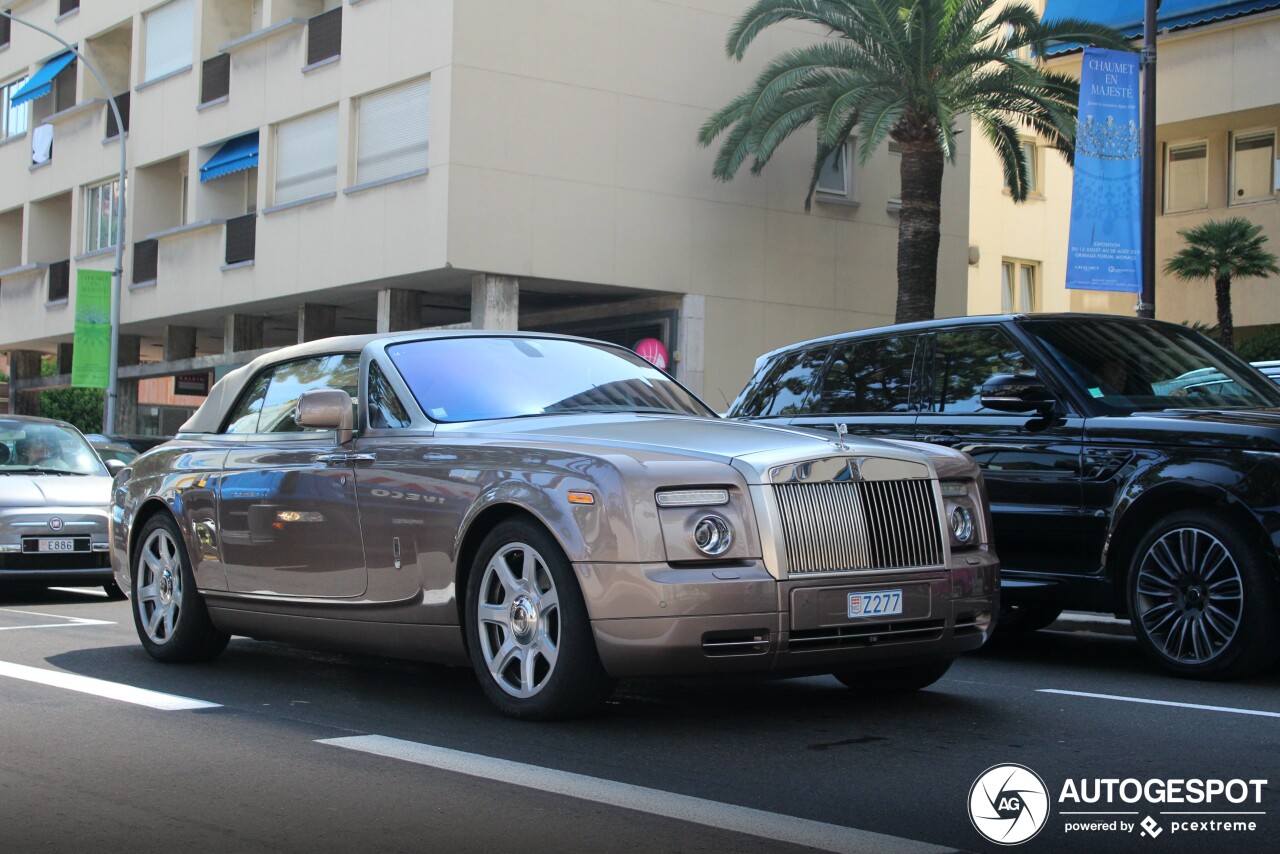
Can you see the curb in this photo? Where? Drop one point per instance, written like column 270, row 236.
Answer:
column 1088, row 622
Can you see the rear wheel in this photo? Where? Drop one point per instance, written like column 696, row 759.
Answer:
column 168, row 612
column 898, row 680
column 1202, row 603
column 527, row 628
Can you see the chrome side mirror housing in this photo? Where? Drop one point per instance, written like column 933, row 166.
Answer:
column 326, row 409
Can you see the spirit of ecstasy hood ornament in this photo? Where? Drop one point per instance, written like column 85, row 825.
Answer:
column 842, row 430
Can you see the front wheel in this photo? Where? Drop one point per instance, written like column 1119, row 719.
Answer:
column 528, row 633
column 1200, row 597
column 168, row 611
column 904, row 679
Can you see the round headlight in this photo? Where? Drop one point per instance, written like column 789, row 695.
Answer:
column 962, row 524
column 712, row 535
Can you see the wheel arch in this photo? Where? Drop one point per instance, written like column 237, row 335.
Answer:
column 148, row 509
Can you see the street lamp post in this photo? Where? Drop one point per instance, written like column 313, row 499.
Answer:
column 109, row 416
column 1147, row 297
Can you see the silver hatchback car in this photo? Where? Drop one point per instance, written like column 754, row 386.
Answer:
column 54, row 492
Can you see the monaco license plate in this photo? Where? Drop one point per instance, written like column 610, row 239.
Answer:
column 875, row 603
column 56, row 544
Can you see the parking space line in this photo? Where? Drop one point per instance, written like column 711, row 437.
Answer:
column 70, row 621
column 766, row 825
column 1228, row 709
column 103, row 688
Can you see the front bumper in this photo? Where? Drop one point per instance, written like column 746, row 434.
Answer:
column 656, row 621
column 74, row 568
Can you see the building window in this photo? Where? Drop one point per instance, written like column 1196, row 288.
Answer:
column 66, row 7
column 1018, row 286
column 1253, row 158
column 837, row 179
column 13, row 120
column 101, row 215
column 1186, row 177
column 895, row 176
column 1031, row 154
column 393, row 132
column 170, row 37
column 324, row 36
column 307, row 157
column 4, row 31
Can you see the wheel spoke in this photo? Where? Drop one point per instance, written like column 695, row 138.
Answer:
column 154, row 563
column 548, row 601
column 1170, row 613
column 154, row 620
column 150, row 593
column 529, row 569
column 550, row 651
column 497, row 615
column 502, row 659
column 1163, row 557
column 498, row 566
column 528, row 671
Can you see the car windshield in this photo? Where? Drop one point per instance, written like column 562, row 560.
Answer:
column 33, row 447
column 472, row 379
column 1126, row 367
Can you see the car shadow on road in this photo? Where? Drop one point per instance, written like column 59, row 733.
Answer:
column 18, row 595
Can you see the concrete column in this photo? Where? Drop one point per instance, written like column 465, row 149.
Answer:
column 242, row 332
column 179, row 343
column 127, row 390
column 495, row 302
column 317, row 321
column 690, row 348
column 398, row 310
column 23, row 365
column 64, row 358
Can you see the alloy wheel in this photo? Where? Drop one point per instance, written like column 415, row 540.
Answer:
column 1190, row 596
column 518, row 614
column 159, row 600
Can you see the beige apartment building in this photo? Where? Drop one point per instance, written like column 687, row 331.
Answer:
column 1218, row 109
column 300, row 168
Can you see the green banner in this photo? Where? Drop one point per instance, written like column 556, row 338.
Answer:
column 91, row 362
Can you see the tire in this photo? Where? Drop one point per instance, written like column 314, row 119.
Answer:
column 113, row 591
column 528, row 633
column 1024, row 619
column 1201, row 599
column 906, row 679
column 168, row 611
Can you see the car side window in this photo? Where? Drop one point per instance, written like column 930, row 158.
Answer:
column 385, row 408
column 965, row 359
column 869, row 376
column 785, row 386
column 290, row 380
column 244, row 418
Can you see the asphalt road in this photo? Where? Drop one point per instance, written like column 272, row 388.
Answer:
column 296, row 750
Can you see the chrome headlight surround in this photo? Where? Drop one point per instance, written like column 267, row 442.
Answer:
column 963, row 515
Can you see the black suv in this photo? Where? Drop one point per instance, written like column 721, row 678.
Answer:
column 1133, row 466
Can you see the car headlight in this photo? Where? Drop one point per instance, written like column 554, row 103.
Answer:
column 711, row 522
column 960, row 503
column 692, row 497
column 712, row 535
column 962, row 524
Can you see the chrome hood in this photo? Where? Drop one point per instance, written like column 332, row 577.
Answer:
column 44, row 490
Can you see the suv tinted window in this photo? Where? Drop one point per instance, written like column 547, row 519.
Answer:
column 965, row 359
column 784, row 385
column 869, row 376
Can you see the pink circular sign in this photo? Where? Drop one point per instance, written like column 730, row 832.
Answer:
column 653, row 352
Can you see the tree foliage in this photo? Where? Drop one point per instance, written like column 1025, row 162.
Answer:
column 79, row 406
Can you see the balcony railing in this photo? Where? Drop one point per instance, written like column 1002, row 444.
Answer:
column 59, row 280
column 324, row 36
column 146, row 255
column 215, row 78
column 122, row 102
column 242, row 238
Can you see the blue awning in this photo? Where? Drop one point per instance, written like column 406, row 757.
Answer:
column 41, row 83
column 235, row 155
column 1126, row 15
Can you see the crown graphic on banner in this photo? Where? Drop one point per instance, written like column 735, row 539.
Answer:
column 1107, row 140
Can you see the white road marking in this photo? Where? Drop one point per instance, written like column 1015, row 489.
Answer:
column 1228, row 709
column 70, row 621
column 103, row 688
column 766, row 825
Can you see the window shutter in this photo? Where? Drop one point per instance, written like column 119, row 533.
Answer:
column 307, row 157
column 169, row 39
column 394, row 134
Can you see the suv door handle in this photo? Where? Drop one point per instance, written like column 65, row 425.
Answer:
column 344, row 459
column 949, row 440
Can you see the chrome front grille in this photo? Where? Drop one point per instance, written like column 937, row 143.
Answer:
column 859, row 525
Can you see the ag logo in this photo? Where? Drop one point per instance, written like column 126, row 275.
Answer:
column 1008, row 804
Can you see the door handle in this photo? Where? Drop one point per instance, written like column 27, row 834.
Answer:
column 344, row 459
column 949, row 440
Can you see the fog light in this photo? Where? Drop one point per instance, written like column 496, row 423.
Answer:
column 712, row 535
column 962, row 524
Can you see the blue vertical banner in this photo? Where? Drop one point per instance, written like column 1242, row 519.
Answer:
column 1104, row 252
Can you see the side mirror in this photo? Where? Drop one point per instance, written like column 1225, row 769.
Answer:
column 326, row 409
column 115, row 467
column 1017, row 393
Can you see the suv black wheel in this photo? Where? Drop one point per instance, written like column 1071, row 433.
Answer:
column 1201, row 601
column 528, row 633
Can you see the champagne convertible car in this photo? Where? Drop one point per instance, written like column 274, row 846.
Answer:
column 553, row 511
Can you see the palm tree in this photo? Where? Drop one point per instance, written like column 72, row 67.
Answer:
column 1223, row 250
column 907, row 70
